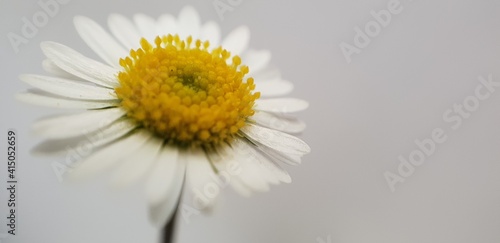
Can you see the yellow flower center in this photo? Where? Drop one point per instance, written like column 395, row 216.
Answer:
column 184, row 92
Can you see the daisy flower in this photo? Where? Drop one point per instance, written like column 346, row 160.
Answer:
column 171, row 104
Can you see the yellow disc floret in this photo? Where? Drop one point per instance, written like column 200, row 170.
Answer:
column 184, row 92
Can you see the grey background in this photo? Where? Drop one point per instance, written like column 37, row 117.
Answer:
column 363, row 115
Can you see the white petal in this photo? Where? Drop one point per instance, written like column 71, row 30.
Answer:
column 78, row 147
column 160, row 213
column 137, row 164
column 274, row 88
column 200, row 175
column 210, row 31
column 268, row 75
column 251, row 176
column 188, row 23
column 162, row 177
column 240, row 187
column 62, row 103
column 290, row 159
column 281, row 105
column 276, row 140
column 124, row 31
column 103, row 44
column 166, row 25
column 222, row 159
column 280, row 123
column 256, row 60
column 110, row 155
column 146, row 26
column 248, row 173
column 77, row 64
column 237, row 41
column 254, row 158
column 78, row 124
column 270, row 83
column 50, row 67
column 69, row 88
column 268, row 166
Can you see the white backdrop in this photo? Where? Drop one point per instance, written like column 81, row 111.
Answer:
column 409, row 77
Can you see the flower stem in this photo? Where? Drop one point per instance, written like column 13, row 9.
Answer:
column 168, row 232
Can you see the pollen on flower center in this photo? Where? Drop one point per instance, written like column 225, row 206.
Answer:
column 184, row 92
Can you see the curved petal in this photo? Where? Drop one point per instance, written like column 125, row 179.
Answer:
column 281, row 105
column 189, row 23
column 162, row 177
column 210, row 31
column 276, row 140
column 201, row 179
column 280, row 123
column 69, row 88
column 240, row 187
column 228, row 169
column 248, row 173
column 50, row 67
column 103, row 44
column 146, row 26
column 77, row 64
column 110, row 155
column 160, row 213
column 137, row 164
column 237, row 41
column 256, row 60
column 167, row 24
column 290, row 159
column 274, row 88
column 251, row 176
column 223, row 160
column 67, row 126
column 255, row 160
column 62, row 103
column 271, row 171
column 81, row 146
column 124, row 31
column 268, row 75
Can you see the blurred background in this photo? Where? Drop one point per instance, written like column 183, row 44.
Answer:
column 405, row 73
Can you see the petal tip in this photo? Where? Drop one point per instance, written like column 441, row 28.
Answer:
column 78, row 19
column 188, row 8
